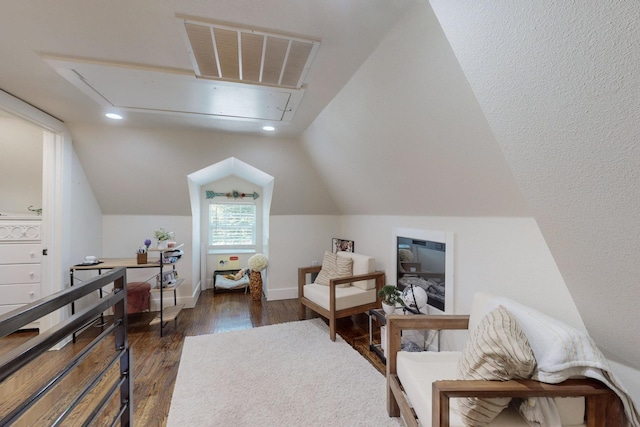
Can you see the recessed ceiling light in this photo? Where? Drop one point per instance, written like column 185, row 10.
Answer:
column 268, row 128
column 114, row 116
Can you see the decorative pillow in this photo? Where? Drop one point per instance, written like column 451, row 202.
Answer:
column 496, row 350
column 334, row 267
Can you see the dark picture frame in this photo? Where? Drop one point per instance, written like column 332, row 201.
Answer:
column 338, row 245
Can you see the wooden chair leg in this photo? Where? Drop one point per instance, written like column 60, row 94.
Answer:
column 332, row 328
column 302, row 312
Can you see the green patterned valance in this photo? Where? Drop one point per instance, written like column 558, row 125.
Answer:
column 231, row 194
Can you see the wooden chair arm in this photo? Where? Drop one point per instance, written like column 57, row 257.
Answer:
column 396, row 323
column 308, row 269
column 603, row 405
column 302, row 276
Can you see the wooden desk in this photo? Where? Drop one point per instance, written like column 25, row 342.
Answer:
column 165, row 315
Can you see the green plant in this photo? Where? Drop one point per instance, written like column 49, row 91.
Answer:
column 160, row 234
column 390, row 294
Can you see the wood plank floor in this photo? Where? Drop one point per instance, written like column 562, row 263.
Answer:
column 156, row 360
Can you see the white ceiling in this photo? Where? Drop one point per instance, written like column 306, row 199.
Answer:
column 146, row 36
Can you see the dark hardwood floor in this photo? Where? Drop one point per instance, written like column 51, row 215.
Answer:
column 156, row 359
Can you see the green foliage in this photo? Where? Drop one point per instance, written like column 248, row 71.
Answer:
column 160, row 234
column 390, row 294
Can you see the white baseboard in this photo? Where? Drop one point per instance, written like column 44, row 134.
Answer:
column 280, row 294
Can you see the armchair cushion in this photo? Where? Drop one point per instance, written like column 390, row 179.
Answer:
column 362, row 264
column 345, row 297
column 334, row 267
column 496, row 350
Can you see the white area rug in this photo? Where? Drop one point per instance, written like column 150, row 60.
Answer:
column 289, row 374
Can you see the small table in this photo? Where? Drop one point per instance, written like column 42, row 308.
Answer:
column 379, row 316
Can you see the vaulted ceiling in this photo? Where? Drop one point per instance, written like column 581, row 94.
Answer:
column 450, row 108
column 77, row 60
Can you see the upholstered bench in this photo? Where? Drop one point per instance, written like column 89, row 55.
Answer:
column 504, row 373
column 138, row 297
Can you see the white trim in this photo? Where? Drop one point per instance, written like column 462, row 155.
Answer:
column 56, row 183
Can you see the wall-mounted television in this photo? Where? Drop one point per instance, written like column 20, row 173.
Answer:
column 424, row 258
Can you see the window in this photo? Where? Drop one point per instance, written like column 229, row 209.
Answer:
column 232, row 225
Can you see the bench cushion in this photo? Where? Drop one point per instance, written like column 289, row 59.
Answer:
column 417, row 371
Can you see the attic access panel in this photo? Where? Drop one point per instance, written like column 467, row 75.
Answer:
column 224, row 52
column 138, row 88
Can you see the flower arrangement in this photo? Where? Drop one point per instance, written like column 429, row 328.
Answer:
column 160, row 234
column 258, row 262
column 147, row 243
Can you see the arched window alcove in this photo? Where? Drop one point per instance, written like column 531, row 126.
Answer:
column 230, row 171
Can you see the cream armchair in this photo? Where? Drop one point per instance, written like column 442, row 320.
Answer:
column 344, row 296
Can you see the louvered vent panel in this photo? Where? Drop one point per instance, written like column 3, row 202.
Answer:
column 273, row 60
column 265, row 58
column 200, row 39
column 251, row 56
column 298, row 55
column 227, row 43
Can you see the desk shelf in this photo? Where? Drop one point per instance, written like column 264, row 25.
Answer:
column 169, row 314
column 165, row 314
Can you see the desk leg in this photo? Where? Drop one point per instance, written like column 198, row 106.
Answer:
column 73, row 304
column 161, row 294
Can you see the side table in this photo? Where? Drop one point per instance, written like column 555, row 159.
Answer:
column 378, row 315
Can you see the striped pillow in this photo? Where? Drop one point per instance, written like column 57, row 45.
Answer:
column 334, row 267
column 496, row 350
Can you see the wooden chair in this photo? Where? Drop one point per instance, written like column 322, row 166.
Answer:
column 333, row 302
column 603, row 407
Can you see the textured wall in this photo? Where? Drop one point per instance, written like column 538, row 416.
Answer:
column 558, row 83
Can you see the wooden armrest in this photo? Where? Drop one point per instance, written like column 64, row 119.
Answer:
column 302, row 276
column 398, row 322
column 309, row 269
column 603, row 405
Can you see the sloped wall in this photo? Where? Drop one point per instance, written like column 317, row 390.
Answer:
column 406, row 135
column 152, row 165
column 558, row 83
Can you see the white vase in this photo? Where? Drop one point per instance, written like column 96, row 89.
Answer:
column 388, row 309
column 162, row 244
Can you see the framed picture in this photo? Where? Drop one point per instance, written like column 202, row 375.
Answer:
column 342, row 245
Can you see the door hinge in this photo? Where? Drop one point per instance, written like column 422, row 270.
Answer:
column 45, row 252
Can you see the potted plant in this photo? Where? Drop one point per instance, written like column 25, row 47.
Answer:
column 162, row 237
column 391, row 296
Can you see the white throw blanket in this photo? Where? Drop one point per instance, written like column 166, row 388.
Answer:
column 563, row 352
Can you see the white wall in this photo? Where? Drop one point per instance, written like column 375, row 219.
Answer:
column 21, row 165
column 85, row 216
column 296, row 241
column 503, row 256
column 124, row 234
